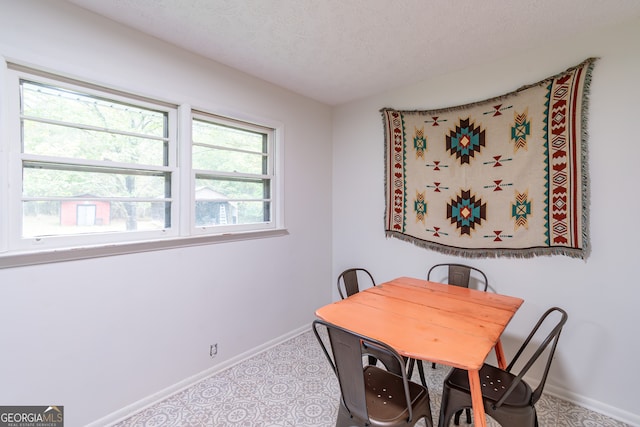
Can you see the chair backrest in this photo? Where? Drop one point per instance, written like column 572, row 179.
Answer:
column 550, row 341
column 348, row 281
column 347, row 350
column 459, row 275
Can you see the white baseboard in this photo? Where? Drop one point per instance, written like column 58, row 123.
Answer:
column 594, row 405
column 142, row 404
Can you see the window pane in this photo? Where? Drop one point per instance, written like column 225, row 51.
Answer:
column 223, row 201
column 211, row 213
column 228, row 161
column 226, row 189
column 51, row 218
column 43, row 182
column 228, row 137
column 62, row 141
column 74, row 107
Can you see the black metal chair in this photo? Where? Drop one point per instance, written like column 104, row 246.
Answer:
column 459, row 275
column 349, row 281
column 371, row 396
column 507, row 397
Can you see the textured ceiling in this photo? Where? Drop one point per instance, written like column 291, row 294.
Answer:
column 336, row 51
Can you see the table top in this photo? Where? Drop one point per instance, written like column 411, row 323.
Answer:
column 424, row 320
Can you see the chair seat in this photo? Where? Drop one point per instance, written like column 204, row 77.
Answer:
column 386, row 402
column 494, row 383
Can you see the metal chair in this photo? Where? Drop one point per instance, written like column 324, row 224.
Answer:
column 349, row 281
column 507, row 397
column 459, row 275
column 371, row 396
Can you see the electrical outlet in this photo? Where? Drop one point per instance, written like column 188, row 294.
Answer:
column 213, row 350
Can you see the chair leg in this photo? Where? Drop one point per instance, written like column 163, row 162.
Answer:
column 344, row 418
column 456, row 419
column 525, row 418
column 421, row 372
column 372, row 361
column 446, row 414
column 429, row 422
column 412, row 362
column 433, row 366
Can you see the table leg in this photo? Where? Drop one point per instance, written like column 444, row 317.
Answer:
column 479, row 418
column 502, row 362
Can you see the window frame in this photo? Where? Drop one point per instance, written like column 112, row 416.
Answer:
column 16, row 250
column 269, row 175
column 17, row 159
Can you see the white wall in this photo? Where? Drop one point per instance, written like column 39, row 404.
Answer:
column 596, row 363
column 98, row 335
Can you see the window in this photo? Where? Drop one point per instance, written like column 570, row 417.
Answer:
column 79, row 149
column 233, row 170
column 95, row 166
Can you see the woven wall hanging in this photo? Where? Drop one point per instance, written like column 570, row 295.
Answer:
column 501, row 177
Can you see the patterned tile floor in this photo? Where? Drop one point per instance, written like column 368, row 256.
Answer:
column 292, row 385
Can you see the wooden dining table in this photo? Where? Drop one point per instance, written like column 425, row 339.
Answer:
column 430, row 321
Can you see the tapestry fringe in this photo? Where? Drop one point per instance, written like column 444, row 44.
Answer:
column 586, row 196
column 486, row 252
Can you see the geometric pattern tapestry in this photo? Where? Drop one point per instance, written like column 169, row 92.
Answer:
column 501, row 177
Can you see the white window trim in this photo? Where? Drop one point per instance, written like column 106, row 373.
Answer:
column 272, row 224
column 16, row 241
column 183, row 233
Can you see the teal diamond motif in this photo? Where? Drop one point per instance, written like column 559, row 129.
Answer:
column 465, row 140
column 466, row 212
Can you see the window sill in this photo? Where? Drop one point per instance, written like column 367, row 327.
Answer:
column 11, row 260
